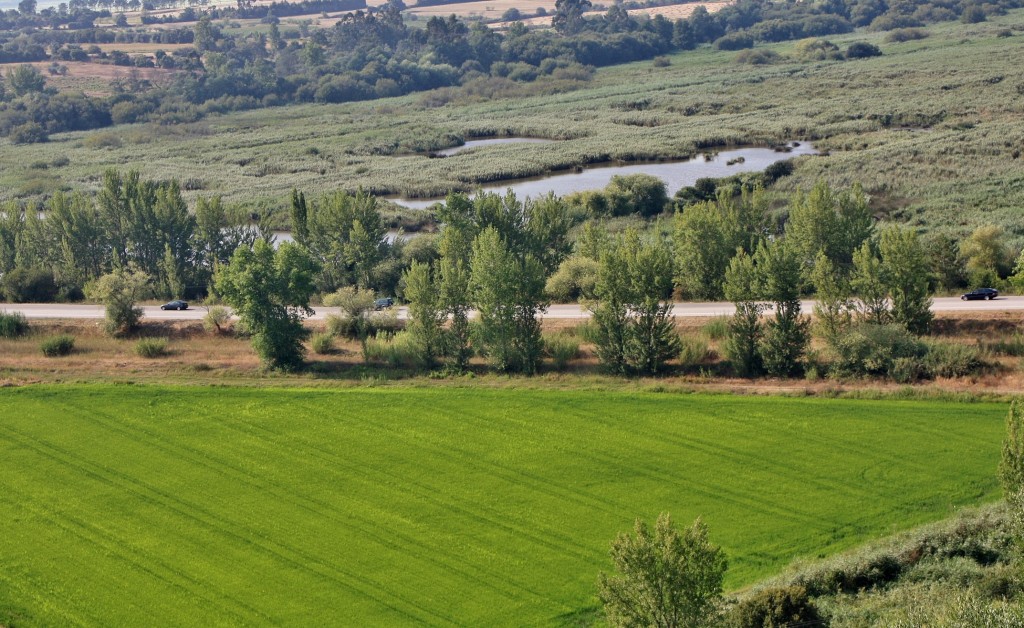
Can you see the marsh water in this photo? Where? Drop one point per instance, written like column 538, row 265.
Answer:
column 675, row 174
column 471, row 144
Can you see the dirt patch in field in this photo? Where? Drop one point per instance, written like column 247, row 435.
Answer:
column 675, row 12
column 135, row 17
column 196, row 356
column 978, row 325
column 146, row 49
column 94, row 78
column 671, row 12
column 488, row 9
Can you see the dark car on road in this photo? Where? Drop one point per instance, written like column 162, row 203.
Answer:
column 383, row 304
column 175, row 305
column 981, row 294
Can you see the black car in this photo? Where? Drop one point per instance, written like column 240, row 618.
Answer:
column 986, row 294
column 383, row 304
column 175, row 305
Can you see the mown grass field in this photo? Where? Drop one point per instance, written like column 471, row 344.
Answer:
column 133, row 505
column 931, row 128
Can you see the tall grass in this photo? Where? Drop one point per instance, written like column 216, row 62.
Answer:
column 151, row 347
column 1012, row 346
column 717, row 328
column 322, row 344
column 562, row 349
column 396, row 351
column 693, row 351
column 13, row 325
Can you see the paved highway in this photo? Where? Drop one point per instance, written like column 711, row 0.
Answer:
column 570, row 311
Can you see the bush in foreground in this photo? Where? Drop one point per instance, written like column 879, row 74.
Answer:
column 217, row 319
column 58, row 346
column 119, row 291
column 396, row 351
column 322, row 344
column 270, row 291
column 666, row 578
column 693, row 351
column 151, row 348
column 13, row 325
column 870, row 349
column 946, row 359
column 781, row 606
column 29, row 285
column 982, row 535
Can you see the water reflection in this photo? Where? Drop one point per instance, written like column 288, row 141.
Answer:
column 676, row 175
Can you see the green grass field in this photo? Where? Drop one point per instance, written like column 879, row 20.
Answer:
column 132, row 505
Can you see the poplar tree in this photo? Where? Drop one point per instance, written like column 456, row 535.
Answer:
column 632, row 307
column 785, row 339
column 742, row 346
column 869, row 287
column 905, row 274
column 426, row 312
column 508, row 292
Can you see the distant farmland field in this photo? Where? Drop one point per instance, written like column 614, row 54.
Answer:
column 131, row 505
column 670, row 11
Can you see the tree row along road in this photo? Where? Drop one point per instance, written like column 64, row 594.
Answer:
column 568, row 311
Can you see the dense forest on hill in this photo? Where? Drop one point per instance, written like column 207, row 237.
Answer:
column 373, row 54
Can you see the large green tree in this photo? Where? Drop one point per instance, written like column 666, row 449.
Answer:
column 664, row 579
column 869, row 286
column 707, row 235
column 270, row 292
column 568, row 18
column 142, row 219
column 829, row 222
column 25, row 79
column 427, row 313
column 742, row 287
column 834, row 307
column 632, row 306
column 906, row 275
column 987, row 255
column 454, row 276
column 508, row 291
column 785, row 338
column 346, row 236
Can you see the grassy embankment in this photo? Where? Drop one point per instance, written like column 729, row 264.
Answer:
column 223, row 505
column 931, row 129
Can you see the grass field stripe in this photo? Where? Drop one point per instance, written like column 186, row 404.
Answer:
column 583, row 551
column 366, row 526
column 372, row 452
column 449, row 503
column 125, row 552
column 300, row 560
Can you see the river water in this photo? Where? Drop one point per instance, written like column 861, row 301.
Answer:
column 675, row 174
